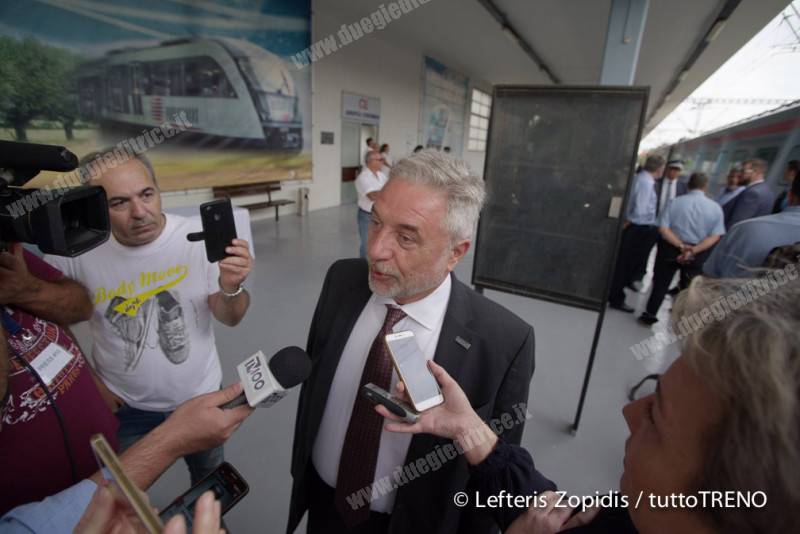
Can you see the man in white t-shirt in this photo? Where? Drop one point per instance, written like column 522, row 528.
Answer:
column 154, row 295
column 369, row 181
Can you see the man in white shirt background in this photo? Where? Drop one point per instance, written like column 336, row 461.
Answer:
column 368, row 183
column 154, row 296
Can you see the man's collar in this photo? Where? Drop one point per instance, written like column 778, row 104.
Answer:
column 426, row 311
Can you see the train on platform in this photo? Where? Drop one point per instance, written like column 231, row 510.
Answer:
column 229, row 89
column 773, row 136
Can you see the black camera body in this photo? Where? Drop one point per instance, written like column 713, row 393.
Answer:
column 65, row 221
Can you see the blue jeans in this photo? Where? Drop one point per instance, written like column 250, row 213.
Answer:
column 135, row 423
column 363, row 231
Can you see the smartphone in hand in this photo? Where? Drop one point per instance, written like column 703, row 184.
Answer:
column 227, row 484
column 412, row 368
column 219, row 228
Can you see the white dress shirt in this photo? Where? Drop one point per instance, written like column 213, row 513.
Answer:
column 668, row 191
column 368, row 182
column 424, row 318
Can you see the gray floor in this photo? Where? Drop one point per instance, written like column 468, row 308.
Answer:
column 292, row 258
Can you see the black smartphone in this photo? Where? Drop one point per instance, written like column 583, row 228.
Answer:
column 378, row 395
column 219, row 228
column 227, row 484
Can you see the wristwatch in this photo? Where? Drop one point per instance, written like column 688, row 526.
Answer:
column 236, row 293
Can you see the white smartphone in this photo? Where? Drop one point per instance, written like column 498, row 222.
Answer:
column 412, row 367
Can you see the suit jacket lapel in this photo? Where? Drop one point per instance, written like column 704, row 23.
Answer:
column 450, row 354
column 331, row 353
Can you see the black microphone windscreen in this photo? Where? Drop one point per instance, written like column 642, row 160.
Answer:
column 290, row 366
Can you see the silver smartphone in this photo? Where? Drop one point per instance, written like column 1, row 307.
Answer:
column 412, row 367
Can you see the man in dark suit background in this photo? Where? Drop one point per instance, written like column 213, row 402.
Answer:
column 669, row 186
column 421, row 227
column 756, row 200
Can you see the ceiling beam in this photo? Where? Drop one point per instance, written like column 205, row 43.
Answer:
column 507, row 28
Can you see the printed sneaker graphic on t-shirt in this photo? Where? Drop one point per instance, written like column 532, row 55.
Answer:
column 172, row 336
column 153, row 310
column 132, row 330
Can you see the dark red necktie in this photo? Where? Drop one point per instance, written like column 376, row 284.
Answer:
column 363, row 438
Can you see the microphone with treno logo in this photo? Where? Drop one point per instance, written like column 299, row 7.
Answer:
column 267, row 383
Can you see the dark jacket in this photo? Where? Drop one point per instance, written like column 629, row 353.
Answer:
column 511, row 468
column 680, row 189
column 494, row 372
column 755, row 201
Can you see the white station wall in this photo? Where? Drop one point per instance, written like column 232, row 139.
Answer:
column 371, row 66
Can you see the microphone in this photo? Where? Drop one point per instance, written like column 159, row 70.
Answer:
column 267, row 383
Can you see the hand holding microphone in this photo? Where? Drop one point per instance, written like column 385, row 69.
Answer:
column 266, row 383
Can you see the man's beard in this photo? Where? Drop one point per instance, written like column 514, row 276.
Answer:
column 410, row 286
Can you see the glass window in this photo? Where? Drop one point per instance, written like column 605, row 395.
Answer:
column 204, row 77
column 176, row 78
column 767, row 154
column 480, row 111
column 158, row 79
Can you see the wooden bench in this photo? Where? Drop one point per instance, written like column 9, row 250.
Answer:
column 254, row 189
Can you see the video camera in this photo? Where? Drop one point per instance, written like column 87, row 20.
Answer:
column 62, row 221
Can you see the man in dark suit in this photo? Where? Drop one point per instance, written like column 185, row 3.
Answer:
column 350, row 474
column 669, row 186
column 756, row 200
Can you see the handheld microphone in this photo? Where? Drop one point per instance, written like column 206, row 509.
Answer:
column 267, row 383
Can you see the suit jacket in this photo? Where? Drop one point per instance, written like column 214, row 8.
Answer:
column 495, row 373
column 755, row 201
column 680, row 189
column 778, row 206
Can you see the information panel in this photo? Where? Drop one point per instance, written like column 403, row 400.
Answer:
column 558, row 165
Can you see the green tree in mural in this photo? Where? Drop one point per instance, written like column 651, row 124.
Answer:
column 65, row 107
column 36, row 81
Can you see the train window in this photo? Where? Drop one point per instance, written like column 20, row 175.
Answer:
column 205, row 78
column 768, row 154
column 158, row 79
column 739, row 156
column 794, row 153
column 116, row 91
column 176, row 78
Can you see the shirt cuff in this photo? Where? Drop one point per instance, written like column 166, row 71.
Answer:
column 57, row 513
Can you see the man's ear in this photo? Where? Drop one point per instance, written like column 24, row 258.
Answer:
column 458, row 251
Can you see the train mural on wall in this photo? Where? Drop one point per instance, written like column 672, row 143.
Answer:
column 229, row 89
column 773, row 136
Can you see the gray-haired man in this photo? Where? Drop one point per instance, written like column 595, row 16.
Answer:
column 421, row 227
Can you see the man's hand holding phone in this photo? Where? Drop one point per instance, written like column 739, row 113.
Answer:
column 110, row 511
column 236, row 266
column 453, row 419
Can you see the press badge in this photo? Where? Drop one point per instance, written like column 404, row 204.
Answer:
column 50, row 362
